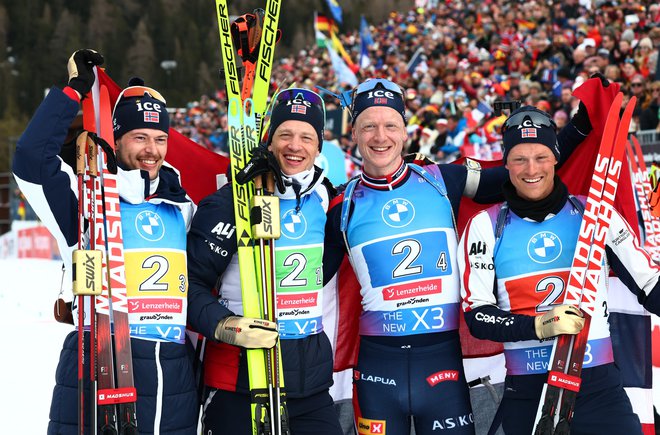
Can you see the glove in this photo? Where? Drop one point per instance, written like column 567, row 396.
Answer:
column 603, row 80
column 247, row 332
column 564, row 319
column 418, row 159
column 581, row 120
column 81, row 70
column 262, row 161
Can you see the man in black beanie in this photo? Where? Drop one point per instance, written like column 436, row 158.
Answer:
column 515, row 259
column 154, row 213
column 295, row 139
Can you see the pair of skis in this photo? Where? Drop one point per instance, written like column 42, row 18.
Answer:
column 102, row 289
column 252, row 209
column 557, row 403
column 643, row 191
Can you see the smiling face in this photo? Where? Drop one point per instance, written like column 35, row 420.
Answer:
column 531, row 170
column 144, row 149
column 295, row 145
column 380, row 134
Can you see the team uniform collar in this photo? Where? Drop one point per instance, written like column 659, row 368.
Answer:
column 388, row 182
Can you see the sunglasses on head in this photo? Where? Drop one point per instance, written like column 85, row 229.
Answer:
column 300, row 94
column 372, row 84
column 537, row 118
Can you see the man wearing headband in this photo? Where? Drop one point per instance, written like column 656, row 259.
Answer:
column 515, row 260
column 295, row 138
column 397, row 223
column 162, row 361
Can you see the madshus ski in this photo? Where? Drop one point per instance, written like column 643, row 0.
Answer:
column 557, row 403
column 643, row 192
column 268, row 409
column 112, row 367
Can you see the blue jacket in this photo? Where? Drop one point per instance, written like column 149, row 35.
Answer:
column 162, row 371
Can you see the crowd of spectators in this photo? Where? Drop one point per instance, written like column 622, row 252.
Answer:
column 472, row 53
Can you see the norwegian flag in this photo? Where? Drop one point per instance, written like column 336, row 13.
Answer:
column 151, row 117
column 299, row 108
column 380, row 100
column 528, row 132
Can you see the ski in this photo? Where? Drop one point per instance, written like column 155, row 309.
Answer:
column 642, row 193
column 558, row 397
column 266, row 415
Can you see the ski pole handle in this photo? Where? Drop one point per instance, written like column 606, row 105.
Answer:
column 81, row 143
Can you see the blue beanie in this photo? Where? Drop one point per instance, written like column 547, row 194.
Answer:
column 529, row 125
column 378, row 96
column 136, row 112
column 293, row 104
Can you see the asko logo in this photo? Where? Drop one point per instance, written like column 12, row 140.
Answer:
column 370, row 427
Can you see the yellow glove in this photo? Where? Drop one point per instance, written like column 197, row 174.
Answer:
column 564, row 319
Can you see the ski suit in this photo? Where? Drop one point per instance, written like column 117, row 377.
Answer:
column 507, row 281
column 306, row 350
column 162, row 359
column 402, row 238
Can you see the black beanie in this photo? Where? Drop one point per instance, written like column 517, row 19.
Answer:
column 292, row 105
column 142, row 111
column 529, row 125
column 378, row 96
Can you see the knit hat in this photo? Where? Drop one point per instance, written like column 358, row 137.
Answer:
column 300, row 105
column 529, row 125
column 378, row 92
column 139, row 107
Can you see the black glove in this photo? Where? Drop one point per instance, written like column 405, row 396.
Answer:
column 262, row 161
column 602, row 78
column 581, row 120
column 81, row 70
column 418, row 159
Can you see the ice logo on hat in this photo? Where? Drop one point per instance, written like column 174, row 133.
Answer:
column 380, row 96
column 149, row 226
column 398, row 213
column 294, row 224
column 298, row 104
column 544, row 247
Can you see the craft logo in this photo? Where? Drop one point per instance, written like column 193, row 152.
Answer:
column 149, row 226
column 398, row 213
column 544, row 247
column 294, row 225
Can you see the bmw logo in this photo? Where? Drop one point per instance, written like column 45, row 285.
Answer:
column 398, row 212
column 544, row 247
column 149, row 226
column 294, row 225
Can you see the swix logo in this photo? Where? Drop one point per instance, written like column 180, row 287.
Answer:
column 89, row 272
column 223, row 230
column 371, row 427
column 442, row 376
column 267, row 215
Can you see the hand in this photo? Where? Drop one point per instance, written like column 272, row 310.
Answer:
column 602, row 78
column 564, row 319
column 81, row 70
column 581, row 120
column 262, row 161
column 247, row 332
